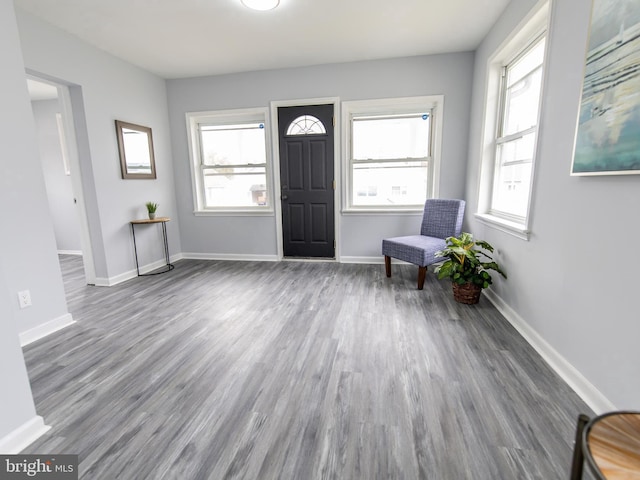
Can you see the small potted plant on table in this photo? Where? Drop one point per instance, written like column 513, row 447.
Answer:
column 467, row 266
column 151, row 209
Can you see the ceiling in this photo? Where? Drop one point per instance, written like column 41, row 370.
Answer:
column 187, row 38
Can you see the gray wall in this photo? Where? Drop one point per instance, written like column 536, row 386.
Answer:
column 27, row 245
column 58, row 183
column 449, row 75
column 110, row 89
column 570, row 282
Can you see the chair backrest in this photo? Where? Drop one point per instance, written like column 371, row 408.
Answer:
column 442, row 218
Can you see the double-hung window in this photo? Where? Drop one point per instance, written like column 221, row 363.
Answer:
column 512, row 112
column 229, row 158
column 521, row 85
column 391, row 146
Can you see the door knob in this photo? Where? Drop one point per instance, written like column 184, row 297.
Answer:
column 285, row 197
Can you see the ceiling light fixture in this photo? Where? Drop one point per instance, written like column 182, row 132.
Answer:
column 261, row 4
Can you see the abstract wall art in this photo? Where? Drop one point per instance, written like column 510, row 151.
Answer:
column 608, row 133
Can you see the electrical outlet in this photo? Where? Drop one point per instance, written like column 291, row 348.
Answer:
column 24, row 298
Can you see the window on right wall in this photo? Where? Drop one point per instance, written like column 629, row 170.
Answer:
column 512, row 112
column 517, row 130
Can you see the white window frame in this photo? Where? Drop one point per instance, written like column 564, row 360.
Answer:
column 432, row 104
column 531, row 29
column 228, row 117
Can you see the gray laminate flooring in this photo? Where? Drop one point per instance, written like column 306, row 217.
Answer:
column 291, row 370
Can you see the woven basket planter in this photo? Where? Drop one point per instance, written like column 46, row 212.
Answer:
column 467, row 293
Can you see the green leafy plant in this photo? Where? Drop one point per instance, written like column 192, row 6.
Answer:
column 467, row 261
column 151, row 207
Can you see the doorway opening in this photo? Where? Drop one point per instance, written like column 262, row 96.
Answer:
column 52, row 107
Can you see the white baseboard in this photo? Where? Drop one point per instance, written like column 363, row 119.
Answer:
column 111, row 281
column 231, row 256
column 379, row 260
column 41, row 331
column 102, row 282
column 123, row 277
column 589, row 393
column 239, row 257
column 366, row 260
column 23, row 436
column 309, row 260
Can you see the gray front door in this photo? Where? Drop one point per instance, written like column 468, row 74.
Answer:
column 307, row 180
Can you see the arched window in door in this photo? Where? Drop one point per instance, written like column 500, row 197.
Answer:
column 306, row 125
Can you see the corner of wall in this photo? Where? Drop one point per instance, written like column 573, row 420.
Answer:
column 23, row 436
column 44, row 329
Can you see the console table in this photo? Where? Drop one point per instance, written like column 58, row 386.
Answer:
column 146, row 221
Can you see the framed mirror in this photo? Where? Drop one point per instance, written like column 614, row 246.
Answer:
column 135, row 144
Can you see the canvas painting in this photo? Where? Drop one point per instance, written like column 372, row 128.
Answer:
column 608, row 135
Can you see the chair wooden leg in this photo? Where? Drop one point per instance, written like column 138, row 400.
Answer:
column 578, row 455
column 422, row 273
column 387, row 265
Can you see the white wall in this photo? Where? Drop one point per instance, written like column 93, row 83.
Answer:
column 27, row 246
column 27, row 243
column 58, row 183
column 361, row 235
column 110, row 89
column 17, row 410
column 574, row 282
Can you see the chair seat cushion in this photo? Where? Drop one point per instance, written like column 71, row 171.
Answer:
column 417, row 249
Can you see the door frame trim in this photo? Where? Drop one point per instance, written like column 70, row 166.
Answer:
column 337, row 173
column 77, row 184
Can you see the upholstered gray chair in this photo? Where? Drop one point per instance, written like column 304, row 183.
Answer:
column 441, row 219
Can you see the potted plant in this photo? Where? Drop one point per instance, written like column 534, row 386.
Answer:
column 151, row 209
column 467, row 266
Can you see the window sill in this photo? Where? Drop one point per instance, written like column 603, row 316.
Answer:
column 383, row 211
column 234, row 213
column 512, row 228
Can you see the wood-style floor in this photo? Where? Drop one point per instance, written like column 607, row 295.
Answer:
column 292, row 370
